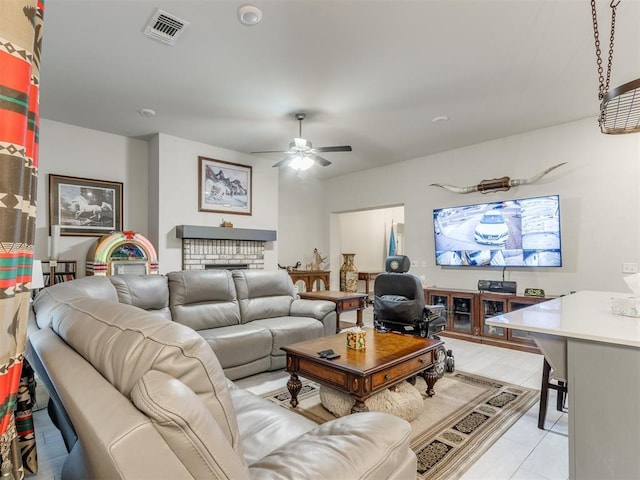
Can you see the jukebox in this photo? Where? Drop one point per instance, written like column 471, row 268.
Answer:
column 120, row 253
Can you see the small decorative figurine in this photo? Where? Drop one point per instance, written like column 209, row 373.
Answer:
column 317, row 262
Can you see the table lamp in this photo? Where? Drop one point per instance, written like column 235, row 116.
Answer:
column 37, row 279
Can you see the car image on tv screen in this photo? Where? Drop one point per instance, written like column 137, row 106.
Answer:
column 523, row 232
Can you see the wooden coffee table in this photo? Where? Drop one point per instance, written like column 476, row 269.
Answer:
column 388, row 359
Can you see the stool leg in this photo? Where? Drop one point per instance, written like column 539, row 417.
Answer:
column 562, row 393
column 544, row 394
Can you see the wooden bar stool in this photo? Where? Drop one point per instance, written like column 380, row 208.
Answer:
column 547, row 383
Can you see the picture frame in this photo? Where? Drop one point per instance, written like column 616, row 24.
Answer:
column 224, row 187
column 84, row 206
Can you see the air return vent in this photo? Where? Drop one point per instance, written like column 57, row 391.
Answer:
column 164, row 27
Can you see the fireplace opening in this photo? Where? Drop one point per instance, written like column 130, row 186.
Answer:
column 226, row 266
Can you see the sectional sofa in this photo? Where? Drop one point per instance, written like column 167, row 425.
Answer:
column 138, row 386
column 244, row 315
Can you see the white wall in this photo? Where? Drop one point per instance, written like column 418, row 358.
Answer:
column 80, row 152
column 175, row 163
column 366, row 233
column 598, row 193
column 598, row 190
column 302, row 225
column 157, row 194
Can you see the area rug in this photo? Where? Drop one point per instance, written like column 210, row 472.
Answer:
column 465, row 417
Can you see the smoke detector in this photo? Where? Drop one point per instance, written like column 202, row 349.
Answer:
column 165, row 27
column 249, row 15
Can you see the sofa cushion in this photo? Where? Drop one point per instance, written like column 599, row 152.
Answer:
column 123, row 342
column 265, row 426
column 203, row 299
column 263, row 293
column 289, row 330
column 369, row 445
column 48, row 298
column 148, row 292
column 187, row 427
column 238, row 344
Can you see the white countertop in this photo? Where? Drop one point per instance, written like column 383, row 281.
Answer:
column 585, row 315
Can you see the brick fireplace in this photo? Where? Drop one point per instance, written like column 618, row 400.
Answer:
column 198, row 254
column 217, row 247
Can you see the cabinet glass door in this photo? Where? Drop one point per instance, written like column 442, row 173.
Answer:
column 461, row 314
column 435, row 299
column 520, row 335
column 439, row 300
column 491, row 308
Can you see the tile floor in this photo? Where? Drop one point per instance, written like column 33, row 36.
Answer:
column 523, row 452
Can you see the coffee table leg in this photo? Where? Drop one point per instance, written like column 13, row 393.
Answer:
column 294, row 385
column 358, row 407
column 431, row 377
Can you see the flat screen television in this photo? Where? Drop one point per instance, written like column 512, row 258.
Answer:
column 512, row 233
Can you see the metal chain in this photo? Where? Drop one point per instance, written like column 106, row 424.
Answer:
column 604, row 87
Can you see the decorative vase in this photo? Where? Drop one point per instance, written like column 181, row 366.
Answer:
column 348, row 274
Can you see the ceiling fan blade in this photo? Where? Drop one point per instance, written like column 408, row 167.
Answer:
column 285, row 161
column 272, row 151
column 343, row 148
column 319, row 160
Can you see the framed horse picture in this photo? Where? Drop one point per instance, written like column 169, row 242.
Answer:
column 224, row 187
column 85, row 207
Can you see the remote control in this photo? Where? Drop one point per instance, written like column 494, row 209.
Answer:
column 324, row 353
column 331, row 356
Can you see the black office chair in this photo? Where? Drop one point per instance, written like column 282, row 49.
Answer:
column 399, row 305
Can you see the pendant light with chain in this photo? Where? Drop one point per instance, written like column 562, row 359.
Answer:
column 620, row 107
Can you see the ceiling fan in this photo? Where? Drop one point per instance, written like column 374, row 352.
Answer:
column 301, row 155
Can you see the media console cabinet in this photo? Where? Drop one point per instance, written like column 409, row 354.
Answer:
column 467, row 312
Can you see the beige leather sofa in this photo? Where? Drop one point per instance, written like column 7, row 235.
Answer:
column 148, row 399
column 244, row 315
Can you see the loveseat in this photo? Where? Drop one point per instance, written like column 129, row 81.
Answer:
column 148, row 399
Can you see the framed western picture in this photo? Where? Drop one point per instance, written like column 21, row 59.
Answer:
column 82, row 206
column 224, row 187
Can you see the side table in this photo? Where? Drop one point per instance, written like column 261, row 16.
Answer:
column 345, row 302
column 310, row 277
column 367, row 277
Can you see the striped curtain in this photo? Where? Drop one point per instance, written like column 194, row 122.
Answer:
column 21, row 23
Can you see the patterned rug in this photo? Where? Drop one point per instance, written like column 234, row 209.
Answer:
column 465, row 417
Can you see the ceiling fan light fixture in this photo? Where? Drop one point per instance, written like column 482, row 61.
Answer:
column 249, row 15
column 301, row 154
column 301, row 163
column 300, row 143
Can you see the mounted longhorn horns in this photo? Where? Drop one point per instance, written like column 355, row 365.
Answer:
column 497, row 184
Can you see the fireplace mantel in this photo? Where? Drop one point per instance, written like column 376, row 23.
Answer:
column 221, row 233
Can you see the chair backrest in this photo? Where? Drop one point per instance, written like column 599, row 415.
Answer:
column 203, row 299
column 263, row 293
column 149, row 292
column 123, row 343
column 398, row 296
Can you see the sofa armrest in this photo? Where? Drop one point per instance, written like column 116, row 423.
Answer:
column 321, row 310
column 368, row 445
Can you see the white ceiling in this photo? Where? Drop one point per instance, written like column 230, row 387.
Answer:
column 370, row 74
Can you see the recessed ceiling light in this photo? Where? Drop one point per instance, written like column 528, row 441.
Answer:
column 440, row 119
column 146, row 112
column 249, row 15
